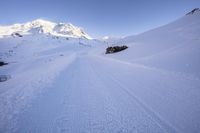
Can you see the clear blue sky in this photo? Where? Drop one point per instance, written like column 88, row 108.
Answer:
column 98, row 17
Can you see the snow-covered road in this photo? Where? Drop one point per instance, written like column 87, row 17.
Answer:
column 99, row 94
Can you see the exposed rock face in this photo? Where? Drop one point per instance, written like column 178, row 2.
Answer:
column 193, row 11
column 16, row 34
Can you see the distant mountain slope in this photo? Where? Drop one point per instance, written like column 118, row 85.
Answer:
column 40, row 26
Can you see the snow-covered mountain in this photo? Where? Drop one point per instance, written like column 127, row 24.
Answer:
column 40, row 26
column 71, row 85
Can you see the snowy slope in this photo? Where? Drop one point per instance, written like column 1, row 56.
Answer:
column 40, row 26
column 59, row 84
column 174, row 47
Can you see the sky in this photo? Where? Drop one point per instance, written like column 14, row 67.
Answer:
column 117, row 18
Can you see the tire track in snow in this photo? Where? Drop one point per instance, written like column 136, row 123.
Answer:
column 93, row 101
column 163, row 71
column 175, row 97
column 123, row 89
column 102, row 109
column 162, row 123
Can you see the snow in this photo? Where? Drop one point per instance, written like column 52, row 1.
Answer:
column 45, row 27
column 109, row 40
column 174, row 47
column 70, row 85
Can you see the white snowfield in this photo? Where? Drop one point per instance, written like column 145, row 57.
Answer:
column 69, row 85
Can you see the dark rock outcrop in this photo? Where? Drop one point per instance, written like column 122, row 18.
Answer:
column 115, row 49
column 3, row 63
column 193, row 11
column 16, row 34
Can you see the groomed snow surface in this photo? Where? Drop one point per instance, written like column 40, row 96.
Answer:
column 69, row 85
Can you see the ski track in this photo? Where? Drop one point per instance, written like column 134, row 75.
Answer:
column 165, row 127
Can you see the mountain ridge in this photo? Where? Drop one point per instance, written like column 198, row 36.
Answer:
column 40, row 26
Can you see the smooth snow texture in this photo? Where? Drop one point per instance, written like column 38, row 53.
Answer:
column 69, row 85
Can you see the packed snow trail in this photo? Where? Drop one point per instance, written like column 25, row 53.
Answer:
column 81, row 101
column 108, row 96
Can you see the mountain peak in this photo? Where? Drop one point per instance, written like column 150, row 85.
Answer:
column 195, row 10
column 41, row 22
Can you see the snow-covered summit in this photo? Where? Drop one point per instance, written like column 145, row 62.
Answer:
column 40, row 26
